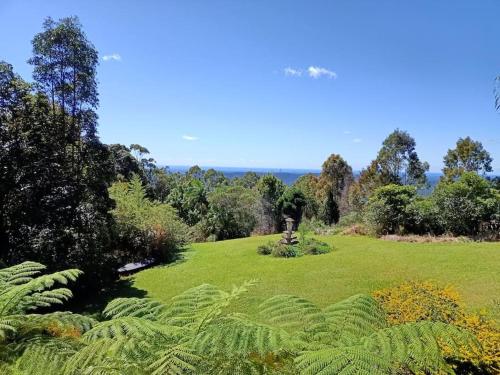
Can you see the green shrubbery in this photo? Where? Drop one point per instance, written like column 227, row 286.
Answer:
column 306, row 246
column 145, row 228
column 458, row 207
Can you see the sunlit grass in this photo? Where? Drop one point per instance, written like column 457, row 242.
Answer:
column 357, row 265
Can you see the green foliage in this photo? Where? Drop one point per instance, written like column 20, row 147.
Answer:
column 265, row 249
column 231, row 213
column 468, row 156
column 464, row 204
column 270, row 190
column 285, row 251
column 55, row 172
column 333, row 185
column 398, row 161
column 146, row 229
column 198, row 333
column 291, row 203
column 386, row 210
column 312, row 246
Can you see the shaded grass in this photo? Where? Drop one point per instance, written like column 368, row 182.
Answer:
column 356, row 265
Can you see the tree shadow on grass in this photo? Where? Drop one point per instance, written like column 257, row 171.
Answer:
column 122, row 288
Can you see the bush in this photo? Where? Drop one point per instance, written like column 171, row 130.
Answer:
column 464, row 204
column 231, row 213
column 312, row 246
column 422, row 301
column 386, row 212
column 265, row 249
column 285, row 251
column 146, row 229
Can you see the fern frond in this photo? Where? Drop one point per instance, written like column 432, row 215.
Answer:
column 137, row 328
column 108, row 356
column 291, row 310
column 19, row 274
column 18, row 298
column 63, row 320
column 237, row 335
column 145, row 308
column 195, row 299
column 175, row 360
column 354, row 360
column 418, row 346
column 355, row 317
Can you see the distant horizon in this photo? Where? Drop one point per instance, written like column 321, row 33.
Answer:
column 181, row 168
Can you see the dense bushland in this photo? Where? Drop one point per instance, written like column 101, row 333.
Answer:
column 468, row 206
column 197, row 333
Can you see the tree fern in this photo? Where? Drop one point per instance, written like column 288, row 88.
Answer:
column 175, row 360
column 355, row 317
column 145, row 308
column 342, row 361
column 238, row 335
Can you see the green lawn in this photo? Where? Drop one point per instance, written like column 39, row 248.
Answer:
column 357, row 265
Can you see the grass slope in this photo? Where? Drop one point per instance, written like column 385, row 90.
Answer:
column 357, row 265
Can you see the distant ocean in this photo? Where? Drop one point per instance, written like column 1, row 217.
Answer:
column 288, row 176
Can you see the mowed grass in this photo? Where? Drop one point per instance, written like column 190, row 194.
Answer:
column 357, row 265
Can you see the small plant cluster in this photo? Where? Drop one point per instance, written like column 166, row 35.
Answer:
column 308, row 246
column 412, row 302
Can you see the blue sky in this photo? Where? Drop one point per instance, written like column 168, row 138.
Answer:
column 282, row 84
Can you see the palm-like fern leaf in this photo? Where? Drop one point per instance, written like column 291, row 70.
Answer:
column 20, row 273
column 145, row 308
column 175, row 360
column 418, row 346
column 341, row 361
column 355, row 317
column 237, row 335
column 291, row 310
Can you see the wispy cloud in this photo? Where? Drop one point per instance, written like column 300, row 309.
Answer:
column 112, row 57
column 357, row 140
column 318, row 72
column 292, row 72
column 347, row 132
column 190, row 138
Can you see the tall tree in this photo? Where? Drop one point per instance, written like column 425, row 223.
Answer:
column 58, row 212
column 399, row 162
column 270, row 189
column 467, row 156
column 336, row 176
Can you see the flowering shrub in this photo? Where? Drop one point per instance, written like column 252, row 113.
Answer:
column 417, row 301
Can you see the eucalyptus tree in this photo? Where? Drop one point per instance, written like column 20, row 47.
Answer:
column 334, row 181
column 467, row 156
column 55, row 207
column 399, row 162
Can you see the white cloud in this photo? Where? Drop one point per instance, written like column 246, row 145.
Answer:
column 189, row 138
column 347, row 132
column 317, row 72
column 291, row 72
column 112, row 57
column 357, row 140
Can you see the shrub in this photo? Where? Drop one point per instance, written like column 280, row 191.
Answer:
column 285, row 251
column 146, row 229
column 231, row 213
column 423, row 301
column 386, row 211
column 464, row 204
column 312, row 246
column 265, row 249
